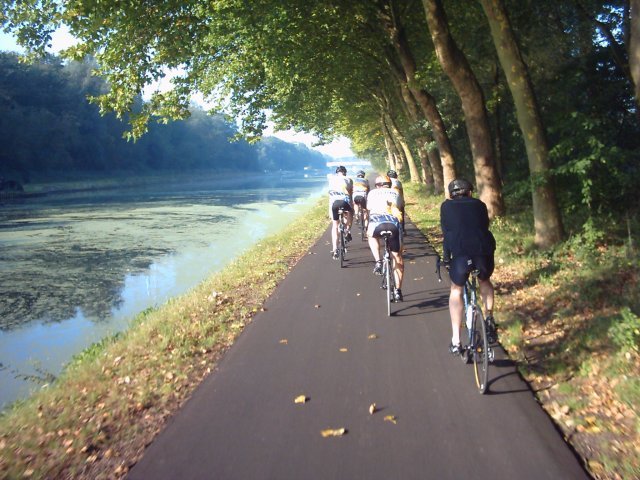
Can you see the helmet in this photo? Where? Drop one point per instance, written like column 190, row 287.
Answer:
column 392, row 174
column 342, row 169
column 383, row 181
column 360, row 174
column 459, row 186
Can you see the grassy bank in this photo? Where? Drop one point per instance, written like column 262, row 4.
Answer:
column 96, row 419
column 567, row 318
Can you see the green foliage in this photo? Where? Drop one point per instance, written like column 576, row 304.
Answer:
column 625, row 331
column 48, row 129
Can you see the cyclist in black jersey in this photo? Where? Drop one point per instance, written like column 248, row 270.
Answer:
column 467, row 241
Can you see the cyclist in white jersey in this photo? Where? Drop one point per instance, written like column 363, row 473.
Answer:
column 397, row 185
column 385, row 214
column 360, row 192
column 340, row 197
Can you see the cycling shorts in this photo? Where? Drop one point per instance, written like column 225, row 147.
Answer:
column 395, row 242
column 360, row 200
column 461, row 267
column 337, row 205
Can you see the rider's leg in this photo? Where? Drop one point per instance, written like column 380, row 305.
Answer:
column 374, row 246
column 349, row 217
column 456, row 311
column 334, row 234
column 486, row 290
column 398, row 268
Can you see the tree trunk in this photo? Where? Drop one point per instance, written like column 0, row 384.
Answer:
column 403, row 149
column 392, row 150
column 634, row 48
column 424, row 100
column 413, row 113
column 546, row 213
column 399, row 138
column 456, row 67
column 439, row 186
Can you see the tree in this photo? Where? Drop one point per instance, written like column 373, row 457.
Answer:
column 457, row 68
column 634, row 48
column 546, row 214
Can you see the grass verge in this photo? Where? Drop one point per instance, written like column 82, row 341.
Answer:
column 112, row 399
column 566, row 316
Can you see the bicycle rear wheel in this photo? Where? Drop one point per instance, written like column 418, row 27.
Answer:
column 481, row 351
column 388, row 273
column 342, row 247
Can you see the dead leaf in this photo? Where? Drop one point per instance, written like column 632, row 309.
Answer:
column 391, row 418
column 333, row 432
column 300, row 399
column 373, row 336
column 343, row 349
column 284, row 341
column 372, row 409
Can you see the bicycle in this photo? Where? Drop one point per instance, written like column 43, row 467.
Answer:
column 388, row 280
column 474, row 341
column 342, row 234
column 361, row 223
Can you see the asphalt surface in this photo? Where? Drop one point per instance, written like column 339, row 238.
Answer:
column 325, row 335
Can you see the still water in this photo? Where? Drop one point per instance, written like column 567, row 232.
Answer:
column 76, row 267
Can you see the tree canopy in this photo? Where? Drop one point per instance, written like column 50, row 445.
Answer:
column 546, row 111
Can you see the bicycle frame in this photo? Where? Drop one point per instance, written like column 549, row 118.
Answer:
column 388, row 279
column 476, row 348
column 341, row 234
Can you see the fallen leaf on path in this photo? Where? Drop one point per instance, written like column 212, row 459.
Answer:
column 419, row 278
column 300, row 399
column 284, row 341
column 372, row 409
column 391, row 418
column 333, row 432
column 343, row 349
column 373, row 336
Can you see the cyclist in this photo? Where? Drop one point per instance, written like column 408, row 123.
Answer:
column 467, row 241
column 340, row 193
column 385, row 214
column 397, row 185
column 360, row 192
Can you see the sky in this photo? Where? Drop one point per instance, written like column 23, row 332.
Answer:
column 338, row 148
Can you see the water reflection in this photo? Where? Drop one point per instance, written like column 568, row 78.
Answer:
column 76, row 267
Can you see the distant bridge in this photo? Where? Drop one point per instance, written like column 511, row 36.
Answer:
column 350, row 163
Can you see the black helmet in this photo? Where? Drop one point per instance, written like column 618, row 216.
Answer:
column 459, row 186
column 392, row 174
column 360, row 174
column 342, row 169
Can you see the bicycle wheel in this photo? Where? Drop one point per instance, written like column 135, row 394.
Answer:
column 342, row 247
column 481, row 351
column 388, row 274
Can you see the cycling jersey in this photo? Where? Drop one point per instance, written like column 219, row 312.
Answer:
column 397, row 186
column 465, row 226
column 385, row 201
column 340, row 190
column 360, row 187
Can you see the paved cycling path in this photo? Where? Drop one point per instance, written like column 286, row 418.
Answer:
column 325, row 335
